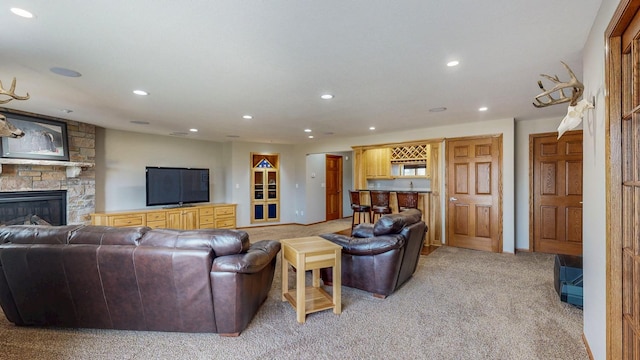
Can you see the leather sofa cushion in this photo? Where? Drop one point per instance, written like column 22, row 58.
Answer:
column 36, row 234
column 366, row 246
column 393, row 224
column 223, row 242
column 106, row 235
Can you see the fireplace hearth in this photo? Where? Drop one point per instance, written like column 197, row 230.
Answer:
column 33, row 207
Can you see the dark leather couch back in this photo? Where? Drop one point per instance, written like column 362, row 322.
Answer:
column 123, row 278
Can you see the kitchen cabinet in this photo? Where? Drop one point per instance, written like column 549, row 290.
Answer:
column 378, row 163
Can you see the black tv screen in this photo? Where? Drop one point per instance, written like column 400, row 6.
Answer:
column 176, row 186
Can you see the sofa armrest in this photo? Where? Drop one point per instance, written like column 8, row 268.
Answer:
column 364, row 230
column 255, row 259
column 366, row 246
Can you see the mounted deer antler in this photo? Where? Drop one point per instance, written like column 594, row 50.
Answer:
column 7, row 129
column 576, row 90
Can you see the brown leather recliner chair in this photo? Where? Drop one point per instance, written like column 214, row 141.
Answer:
column 380, row 257
column 134, row 278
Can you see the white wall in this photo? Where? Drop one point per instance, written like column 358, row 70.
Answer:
column 594, row 204
column 121, row 158
column 315, row 179
column 315, row 199
column 523, row 130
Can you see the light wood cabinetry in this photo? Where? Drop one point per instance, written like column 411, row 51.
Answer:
column 225, row 217
column 206, row 216
column 378, row 163
column 265, row 188
column 391, row 161
column 183, row 219
column 127, row 220
column 157, row 220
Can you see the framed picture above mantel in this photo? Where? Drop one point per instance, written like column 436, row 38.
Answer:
column 43, row 140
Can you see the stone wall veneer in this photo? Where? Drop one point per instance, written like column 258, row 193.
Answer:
column 80, row 190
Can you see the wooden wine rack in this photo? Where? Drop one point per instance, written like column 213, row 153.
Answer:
column 412, row 153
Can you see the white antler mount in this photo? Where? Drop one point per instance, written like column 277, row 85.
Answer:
column 7, row 129
column 556, row 95
column 546, row 98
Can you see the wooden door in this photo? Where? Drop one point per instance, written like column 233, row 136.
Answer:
column 474, row 195
column 623, row 181
column 556, row 187
column 333, row 187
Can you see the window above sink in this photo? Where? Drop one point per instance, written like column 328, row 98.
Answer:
column 409, row 169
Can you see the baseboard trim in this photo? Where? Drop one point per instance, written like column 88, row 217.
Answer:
column 586, row 345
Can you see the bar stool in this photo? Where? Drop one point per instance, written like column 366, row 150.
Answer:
column 379, row 203
column 407, row 200
column 361, row 210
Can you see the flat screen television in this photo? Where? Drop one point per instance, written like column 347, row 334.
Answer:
column 176, row 186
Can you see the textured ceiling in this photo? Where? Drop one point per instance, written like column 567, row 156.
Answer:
column 207, row 63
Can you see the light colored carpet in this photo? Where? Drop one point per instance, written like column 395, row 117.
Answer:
column 460, row 304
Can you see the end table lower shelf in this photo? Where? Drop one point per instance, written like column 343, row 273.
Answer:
column 315, row 299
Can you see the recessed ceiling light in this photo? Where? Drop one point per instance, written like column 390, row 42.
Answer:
column 307, row 130
column 65, row 72
column 22, row 12
column 326, row 97
column 248, row 117
column 193, row 130
column 139, row 122
column 66, row 111
column 484, row 108
column 140, row 92
column 372, row 128
column 438, row 109
column 310, row 136
column 453, row 63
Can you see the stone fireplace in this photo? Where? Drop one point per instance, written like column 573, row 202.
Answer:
column 79, row 184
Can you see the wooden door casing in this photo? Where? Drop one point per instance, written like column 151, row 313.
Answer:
column 474, row 199
column 333, row 187
column 556, row 193
column 622, row 115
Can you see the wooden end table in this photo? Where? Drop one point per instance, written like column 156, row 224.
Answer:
column 311, row 253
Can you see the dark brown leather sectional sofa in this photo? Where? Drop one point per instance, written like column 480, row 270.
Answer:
column 134, row 278
column 380, row 257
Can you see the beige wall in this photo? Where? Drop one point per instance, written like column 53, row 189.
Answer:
column 594, row 186
column 121, row 158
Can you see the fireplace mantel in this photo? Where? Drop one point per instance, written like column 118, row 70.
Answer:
column 73, row 167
